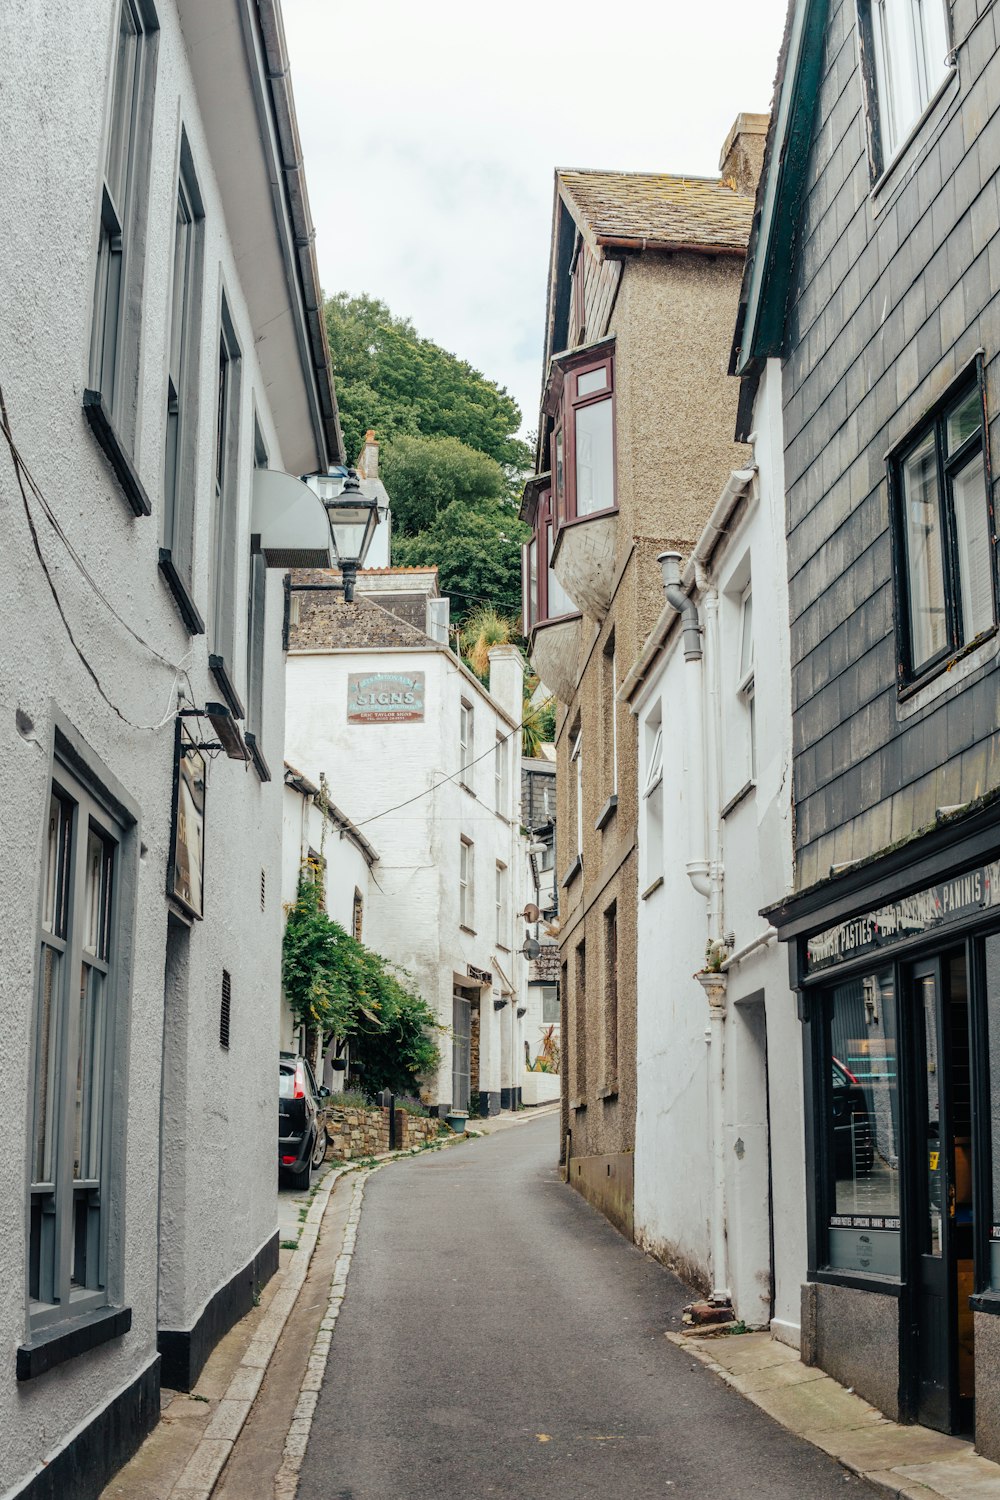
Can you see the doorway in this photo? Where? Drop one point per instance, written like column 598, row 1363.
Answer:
column 461, row 1054
column 942, row 1226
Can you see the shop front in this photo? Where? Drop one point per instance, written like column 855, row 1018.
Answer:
column 899, row 995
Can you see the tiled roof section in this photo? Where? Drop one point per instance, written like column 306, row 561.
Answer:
column 658, row 209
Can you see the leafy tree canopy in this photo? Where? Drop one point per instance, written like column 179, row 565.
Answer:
column 477, row 551
column 425, row 474
column 390, row 378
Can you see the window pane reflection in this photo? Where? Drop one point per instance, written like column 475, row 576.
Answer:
column 594, row 459
column 928, row 624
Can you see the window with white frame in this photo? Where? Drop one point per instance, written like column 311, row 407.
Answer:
column 466, row 740
column 114, row 344
column 502, row 934
column 910, row 47
column 745, row 681
column 501, row 775
column 550, row 1005
column 466, row 894
column 652, row 797
column 72, row 1195
column 576, row 782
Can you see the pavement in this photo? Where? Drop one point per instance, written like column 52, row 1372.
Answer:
column 463, row 1324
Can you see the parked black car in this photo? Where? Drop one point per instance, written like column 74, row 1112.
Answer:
column 301, row 1132
column 853, row 1143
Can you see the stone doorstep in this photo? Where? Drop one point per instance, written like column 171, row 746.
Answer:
column 910, row 1462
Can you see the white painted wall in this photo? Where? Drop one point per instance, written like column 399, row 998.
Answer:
column 213, row 1190
column 414, row 911
column 674, row 1167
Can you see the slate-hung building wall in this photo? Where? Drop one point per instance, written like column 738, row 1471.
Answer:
column 872, row 271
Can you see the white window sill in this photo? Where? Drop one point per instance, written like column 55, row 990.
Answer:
column 911, row 148
column 949, row 679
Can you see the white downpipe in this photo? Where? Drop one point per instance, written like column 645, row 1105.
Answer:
column 697, row 864
column 720, row 1248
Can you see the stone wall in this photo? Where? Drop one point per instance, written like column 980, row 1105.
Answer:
column 353, row 1133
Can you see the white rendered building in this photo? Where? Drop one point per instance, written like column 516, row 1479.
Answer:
column 429, row 762
column 146, row 249
column 719, row 1142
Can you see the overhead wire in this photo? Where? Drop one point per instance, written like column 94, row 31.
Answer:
column 23, row 474
column 491, row 750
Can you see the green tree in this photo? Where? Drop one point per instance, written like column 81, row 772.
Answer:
column 477, row 551
column 425, row 474
column 390, row 378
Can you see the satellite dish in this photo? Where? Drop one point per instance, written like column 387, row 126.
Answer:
column 531, row 912
column 531, row 948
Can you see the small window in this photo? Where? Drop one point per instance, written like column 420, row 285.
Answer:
column 944, row 528
column 576, row 783
column 114, row 346
column 610, row 716
column 651, row 828
column 588, row 420
column 466, row 894
column 502, row 934
column 225, row 518
column 550, row 1005
column 910, row 56
column 179, row 487
column 501, row 774
column 76, row 1049
column 466, row 740
column 745, row 681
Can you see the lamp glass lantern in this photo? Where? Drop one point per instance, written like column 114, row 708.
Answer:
column 352, row 517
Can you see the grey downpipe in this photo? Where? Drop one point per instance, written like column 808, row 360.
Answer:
column 670, row 567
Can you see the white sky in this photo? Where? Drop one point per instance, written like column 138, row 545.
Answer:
column 431, row 130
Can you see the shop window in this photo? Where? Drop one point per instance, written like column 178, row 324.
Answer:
column 991, row 948
column 907, row 43
column 861, row 1137
column 944, row 535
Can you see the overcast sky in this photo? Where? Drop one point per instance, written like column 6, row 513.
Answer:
column 431, row 131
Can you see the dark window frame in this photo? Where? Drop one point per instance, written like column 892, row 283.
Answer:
column 909, row 677
column 543, row 539
column 226, row 556
column 572, row 404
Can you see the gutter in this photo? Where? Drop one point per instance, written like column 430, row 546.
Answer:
column 292, row 201
column 638, row 244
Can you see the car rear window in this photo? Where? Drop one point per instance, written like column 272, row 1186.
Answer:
column 286, row 1082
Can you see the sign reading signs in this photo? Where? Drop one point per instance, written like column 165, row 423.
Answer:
column 937, row 906
column 385, row 697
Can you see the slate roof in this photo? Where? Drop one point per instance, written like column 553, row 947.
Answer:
column 658, row 210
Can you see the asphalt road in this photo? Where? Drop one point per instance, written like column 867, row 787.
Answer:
column 499, row 1338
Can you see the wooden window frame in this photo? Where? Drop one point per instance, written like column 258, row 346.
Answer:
column 910, row 678
column 572, row 405
column 537, row 606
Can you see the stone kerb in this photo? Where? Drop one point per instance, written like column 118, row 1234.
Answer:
column 354, row 1132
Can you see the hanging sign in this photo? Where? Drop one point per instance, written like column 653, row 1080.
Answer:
column 938, row 906
column 186, row 879
column 385, row 697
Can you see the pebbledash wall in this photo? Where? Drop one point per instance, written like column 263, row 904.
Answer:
column 401, row 781
column 190, row 1191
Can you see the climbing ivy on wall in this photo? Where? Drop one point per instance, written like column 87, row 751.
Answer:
column 338, row 986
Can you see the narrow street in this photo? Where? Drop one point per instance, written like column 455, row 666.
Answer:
column 498, row 1338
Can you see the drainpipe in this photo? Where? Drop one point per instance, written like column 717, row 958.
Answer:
column 697, row 864
column 706, row 874
column 713, row 748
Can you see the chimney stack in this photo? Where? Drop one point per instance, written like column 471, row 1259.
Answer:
column 507, row 679
column 743, row 153
column 367, row 464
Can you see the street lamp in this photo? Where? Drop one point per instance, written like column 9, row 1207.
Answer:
column 352, row 517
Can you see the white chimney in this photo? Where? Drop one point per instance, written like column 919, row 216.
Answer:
column 507, row 679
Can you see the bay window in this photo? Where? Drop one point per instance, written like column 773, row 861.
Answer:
column 588, row 407
column 544, row 596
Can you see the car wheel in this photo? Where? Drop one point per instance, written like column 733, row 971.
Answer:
column 319, row 1146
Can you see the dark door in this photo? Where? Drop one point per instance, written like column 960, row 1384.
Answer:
column 942, row 1244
